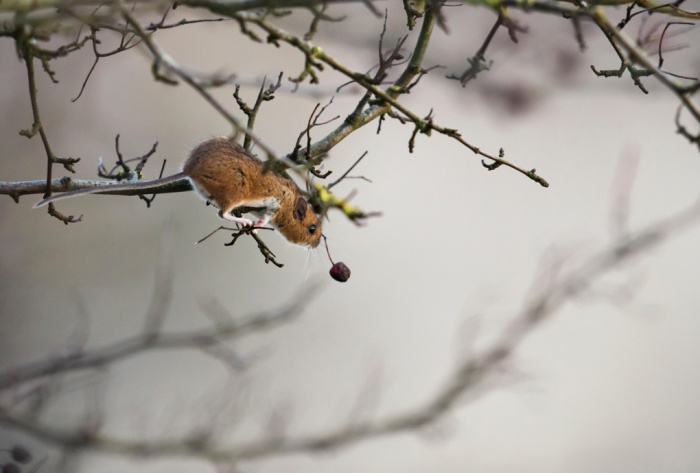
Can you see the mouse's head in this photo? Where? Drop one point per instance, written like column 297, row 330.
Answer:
column 304, row 227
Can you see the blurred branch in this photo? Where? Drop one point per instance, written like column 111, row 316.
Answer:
column 154, row 339
column 554, row 288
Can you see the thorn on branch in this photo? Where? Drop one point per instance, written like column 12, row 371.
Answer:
column 66, row 219
column 411, row 14
column 29, row 133
column 319, row 174
column 424, row 126
column 491, row 167
column 47, row 69
column 496, row 164
column 532, row 173
column 608, row 72
column 635, row 73
column 67, row 163
column 379, row 122
column 157, row 75
column 397, row 116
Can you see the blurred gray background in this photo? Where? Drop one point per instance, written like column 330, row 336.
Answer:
column 601, row 387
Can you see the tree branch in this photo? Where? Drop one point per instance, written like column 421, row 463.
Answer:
column 65, row 184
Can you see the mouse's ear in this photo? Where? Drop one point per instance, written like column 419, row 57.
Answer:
column 300, row 208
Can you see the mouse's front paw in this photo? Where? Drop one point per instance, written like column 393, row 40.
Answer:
column 262, row 222
column 239, row 220
column 247, row 223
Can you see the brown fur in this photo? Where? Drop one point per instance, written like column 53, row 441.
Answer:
column 230, row 177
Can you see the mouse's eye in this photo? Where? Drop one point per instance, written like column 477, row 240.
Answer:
column 312, row 229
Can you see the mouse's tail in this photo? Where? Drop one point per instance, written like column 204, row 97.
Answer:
column 113, row 188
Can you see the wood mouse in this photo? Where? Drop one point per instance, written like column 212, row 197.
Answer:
column 226, row 175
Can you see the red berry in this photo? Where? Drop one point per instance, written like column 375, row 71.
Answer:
column 340, row 272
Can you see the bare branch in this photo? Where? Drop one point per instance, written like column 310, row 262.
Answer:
column 65, row 184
